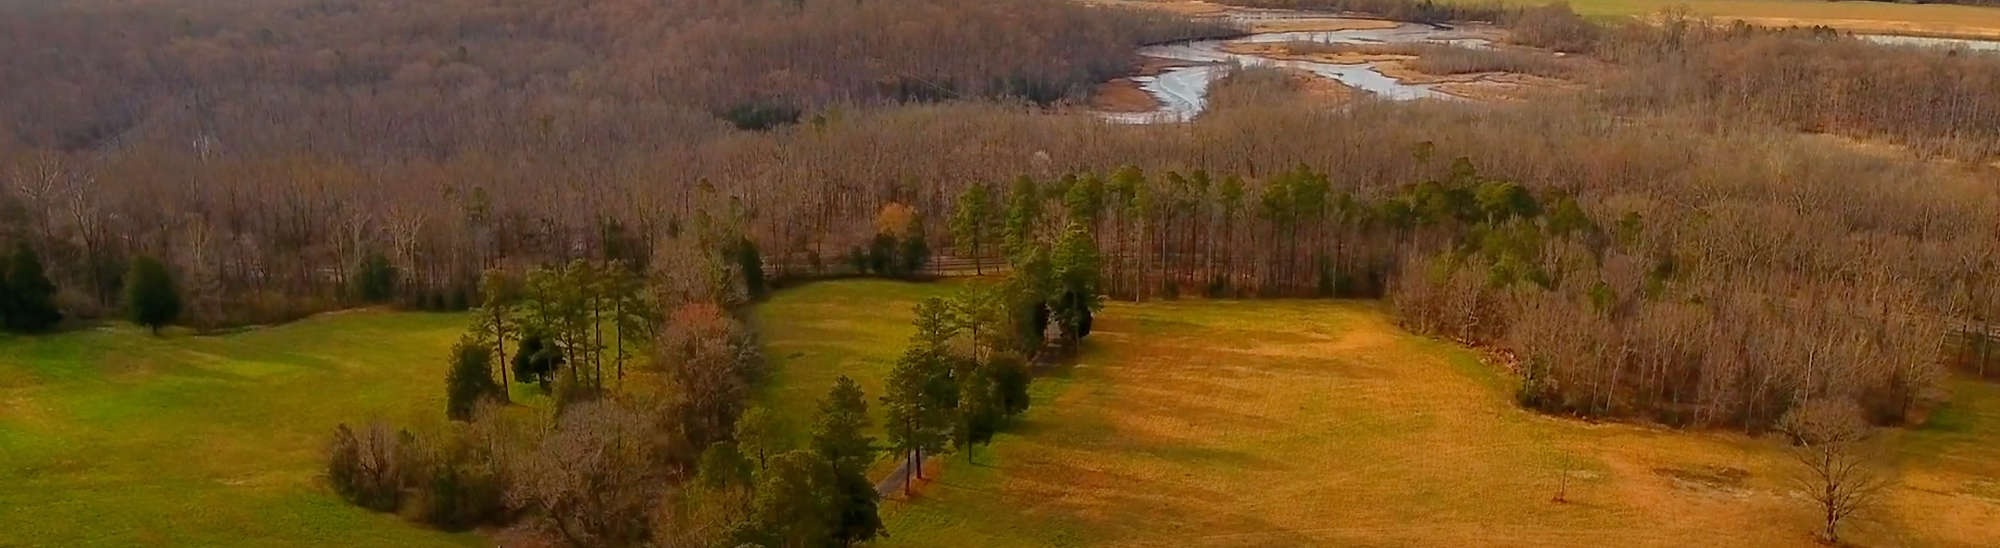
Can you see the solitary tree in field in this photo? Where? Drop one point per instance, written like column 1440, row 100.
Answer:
column 972, row 224
column 150, row 296
column 1837, row 469
column 31, row 296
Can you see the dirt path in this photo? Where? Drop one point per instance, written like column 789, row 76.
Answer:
column 897, row 479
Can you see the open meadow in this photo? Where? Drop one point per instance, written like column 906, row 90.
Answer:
column 1320, row 422
column 113, row 437
column 1856, row 16
column 1871, row 17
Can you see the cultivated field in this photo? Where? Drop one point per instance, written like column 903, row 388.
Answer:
column 1314, row 422
column 112, row 437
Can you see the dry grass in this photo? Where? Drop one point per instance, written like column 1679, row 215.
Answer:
column 1259, row 87
column 1303, row 422
column 1881, row 17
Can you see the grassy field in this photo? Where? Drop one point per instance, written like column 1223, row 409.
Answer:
column 1940, row 19
column 1314, row 422
column 112, row 437
column 817, row 332
column 1858, row 16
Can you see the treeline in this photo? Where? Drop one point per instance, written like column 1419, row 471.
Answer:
column 1937, row 102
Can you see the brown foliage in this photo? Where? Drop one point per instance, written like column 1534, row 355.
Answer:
column 597, row 477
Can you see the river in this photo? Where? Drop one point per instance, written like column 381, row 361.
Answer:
column 1953, row 43
column 1181, row 91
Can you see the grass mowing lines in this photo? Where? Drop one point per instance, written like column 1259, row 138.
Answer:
column 1315, row 422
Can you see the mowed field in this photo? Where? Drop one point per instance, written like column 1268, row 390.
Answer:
column 1856, row 16
column 1260, row 423
column 112, row 437
column 816, row 332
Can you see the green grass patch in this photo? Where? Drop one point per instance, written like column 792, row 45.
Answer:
column 113, row 437
column 814, row 333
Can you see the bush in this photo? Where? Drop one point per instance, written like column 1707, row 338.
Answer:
column 1554, row 27
column 470, row 379
column 751, row 263
column 369, row 469
column 1010, row 383
column 759, row 116
column 29, row 294
column 882, row 255
column 463, row 487
column 150, row 295
column 374, row 279
column 536, row 359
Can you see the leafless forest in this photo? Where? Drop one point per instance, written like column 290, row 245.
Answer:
column 1724, row 223
column 1729, row 262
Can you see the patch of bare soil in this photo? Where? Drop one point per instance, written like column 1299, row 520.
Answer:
column 1122, row 95
column 1313, row 88
column 1320, row 25
column 1479, row 86
column 1724, row 480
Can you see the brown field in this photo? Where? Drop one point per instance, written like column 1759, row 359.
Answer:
column 1855, row 16
column 1311, row 422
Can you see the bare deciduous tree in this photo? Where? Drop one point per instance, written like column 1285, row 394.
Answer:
column 1838, row 468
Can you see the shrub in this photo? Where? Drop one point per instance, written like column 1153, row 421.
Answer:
column 462, row 485
column 470, row 378
column 751, row 263
column 1554, row 27
column 374, row 279
column 536, row 359
column 31, row 296
column 150, row 294
column 759, row 116
column 369, row 469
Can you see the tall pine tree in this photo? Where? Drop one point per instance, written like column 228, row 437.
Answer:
column 31, row 296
